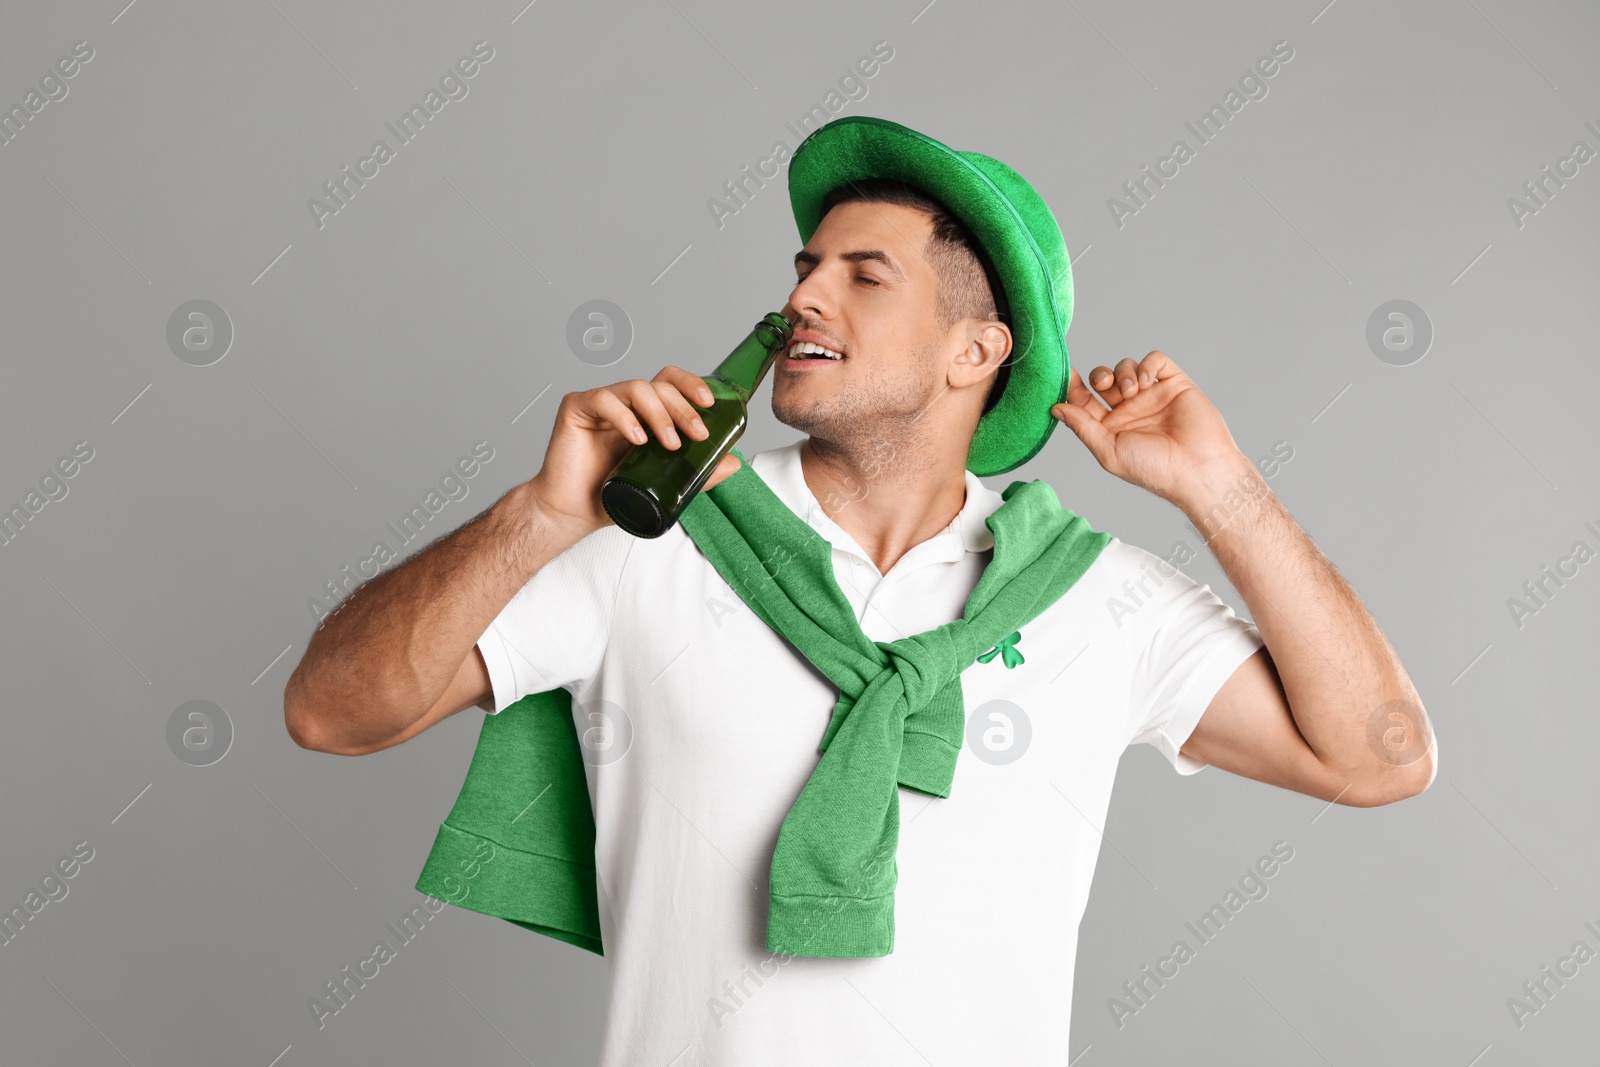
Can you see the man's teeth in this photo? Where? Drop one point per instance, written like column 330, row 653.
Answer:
column 801, row 349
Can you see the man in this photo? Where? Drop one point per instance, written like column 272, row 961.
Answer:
column 940, row 282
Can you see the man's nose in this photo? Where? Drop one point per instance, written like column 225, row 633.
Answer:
column 809, row 300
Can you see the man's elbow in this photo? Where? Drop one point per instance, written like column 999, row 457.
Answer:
column 1395, row 783
column 1406, row 758
column 303, row 726
column 1428, row 770
column 1422, row 771
column 308, row 726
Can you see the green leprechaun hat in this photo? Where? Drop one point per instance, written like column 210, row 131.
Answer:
column 1018, row 234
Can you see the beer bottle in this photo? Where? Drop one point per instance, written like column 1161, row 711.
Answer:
column 652, row 484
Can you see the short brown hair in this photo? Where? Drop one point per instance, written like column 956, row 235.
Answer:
column 968, row 284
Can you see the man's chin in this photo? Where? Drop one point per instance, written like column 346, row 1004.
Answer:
column 805, row 420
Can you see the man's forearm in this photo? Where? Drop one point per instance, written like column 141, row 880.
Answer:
column 1342, row 679
column 379, row 662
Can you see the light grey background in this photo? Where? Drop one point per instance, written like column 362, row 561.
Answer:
column 431, row 312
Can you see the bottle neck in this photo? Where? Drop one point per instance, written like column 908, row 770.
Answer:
column 748, row 364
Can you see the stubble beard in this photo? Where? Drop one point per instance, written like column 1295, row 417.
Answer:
column 864, row 417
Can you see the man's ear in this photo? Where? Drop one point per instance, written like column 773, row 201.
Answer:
column 988, row 345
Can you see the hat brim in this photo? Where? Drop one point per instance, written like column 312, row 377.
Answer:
column 1003, row 212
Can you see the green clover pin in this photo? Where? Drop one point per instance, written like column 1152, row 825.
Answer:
column 1007, row 648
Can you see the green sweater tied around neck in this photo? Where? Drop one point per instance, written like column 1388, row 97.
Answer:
column 519, row 842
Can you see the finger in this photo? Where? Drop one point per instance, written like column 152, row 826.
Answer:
column 1127, row 375
column 689, row 384
column 1079, row 396
column 646, row 402
column 1157, row 367
column 1104, row 381
column 683, row 412
column 614, row 410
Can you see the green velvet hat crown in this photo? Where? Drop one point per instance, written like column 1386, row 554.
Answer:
column 1018, row 234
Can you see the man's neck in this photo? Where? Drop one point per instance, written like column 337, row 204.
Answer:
column 889, row 499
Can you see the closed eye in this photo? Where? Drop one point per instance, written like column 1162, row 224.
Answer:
column 860, row 278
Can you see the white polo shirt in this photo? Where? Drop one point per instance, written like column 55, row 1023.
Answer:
column 701, row 726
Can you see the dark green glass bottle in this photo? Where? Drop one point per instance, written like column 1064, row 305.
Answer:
column 652, row 484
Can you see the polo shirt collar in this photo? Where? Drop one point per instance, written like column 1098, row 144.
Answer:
column 781, row 469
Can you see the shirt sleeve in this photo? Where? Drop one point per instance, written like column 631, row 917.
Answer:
column 553, row 632
column 1185, row 643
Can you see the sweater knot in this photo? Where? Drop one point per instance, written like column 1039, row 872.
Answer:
column 926, row 663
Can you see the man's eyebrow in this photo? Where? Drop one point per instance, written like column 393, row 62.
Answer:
column 861, row 256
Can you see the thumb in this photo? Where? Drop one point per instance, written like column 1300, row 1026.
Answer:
column 1084, row 427
column 726, row 468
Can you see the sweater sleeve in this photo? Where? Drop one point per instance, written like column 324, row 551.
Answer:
column 1184, row 642
column 554, row 630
